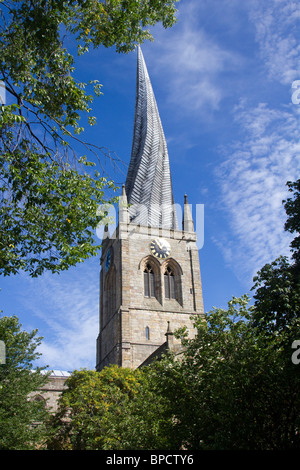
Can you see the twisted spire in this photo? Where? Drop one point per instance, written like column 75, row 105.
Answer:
column 148, row 184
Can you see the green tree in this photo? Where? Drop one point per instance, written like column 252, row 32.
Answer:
column 292, row 225
column 148, row 421
column 92, row 409
column 117, row 408
column 277, row 284
column 277, row 296
column 48, row 215
column 49, row 194
column 18, row 380
column 234, row 388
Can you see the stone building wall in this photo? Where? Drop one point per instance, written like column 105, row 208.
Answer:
column 51, row 392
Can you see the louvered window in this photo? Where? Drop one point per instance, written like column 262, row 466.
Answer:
column 109, row 298
column 149, row 286
column 170, row 291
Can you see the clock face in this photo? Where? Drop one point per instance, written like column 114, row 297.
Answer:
column 108, row 260
column 160, row 248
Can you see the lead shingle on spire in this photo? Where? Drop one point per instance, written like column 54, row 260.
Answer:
column 148, row 184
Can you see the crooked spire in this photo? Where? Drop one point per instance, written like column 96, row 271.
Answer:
column 148, row 184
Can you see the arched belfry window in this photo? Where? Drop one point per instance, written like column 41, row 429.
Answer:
column 150, row 269
column 149, row 281
column 170, row 285
column 172, row 274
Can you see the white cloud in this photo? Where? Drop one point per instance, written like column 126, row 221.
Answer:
column 201, row 71
column 66, row 309
column 277, row 31
column 190, row 61
column 253, row 184
column 253, row 178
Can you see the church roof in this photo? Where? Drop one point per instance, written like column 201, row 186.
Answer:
column 148, row 184
column 57, row 373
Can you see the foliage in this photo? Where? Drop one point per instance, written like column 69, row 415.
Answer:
column 47, row 220
column 234, row 388
column 277, row 284
column 45, row 182
column 37, row 68
column 277, row 296
column 18, row 380
column 292, row 208
column 148, row 421
column 122, row 23
column 117, row 408
column 92, row 408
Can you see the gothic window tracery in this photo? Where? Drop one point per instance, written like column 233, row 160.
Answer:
column 172, row 274
column 169, row 281
column 149, row 281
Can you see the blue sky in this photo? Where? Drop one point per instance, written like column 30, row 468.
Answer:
column 223, row 80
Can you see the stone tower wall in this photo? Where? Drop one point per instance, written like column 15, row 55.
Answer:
column 122, row 338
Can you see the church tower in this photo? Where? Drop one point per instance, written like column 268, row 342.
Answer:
column 150, row 279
